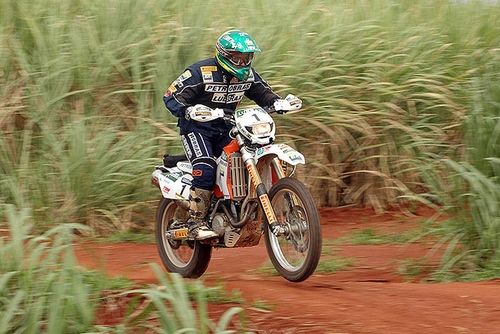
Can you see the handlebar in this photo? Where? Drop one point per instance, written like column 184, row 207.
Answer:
column 229, row 114
column 270, row 109
column 202, row 113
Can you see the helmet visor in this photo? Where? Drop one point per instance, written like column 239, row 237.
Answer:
column 240, row 59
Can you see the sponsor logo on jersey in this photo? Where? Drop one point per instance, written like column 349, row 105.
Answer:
column 170, row 90
column 185, row 75
column 227, row 98
column 186, row 147
column 178, row 82
column 218, row 88
column 207, row 77
column 194, row 143
column 208, row 69
column 206, row 73
column 239, row 87
column 215, row 88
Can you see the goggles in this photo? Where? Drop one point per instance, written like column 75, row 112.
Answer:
column 239, row 58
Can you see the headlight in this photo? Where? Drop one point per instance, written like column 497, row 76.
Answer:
column 261, row 129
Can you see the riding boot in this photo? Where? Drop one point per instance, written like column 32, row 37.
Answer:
column 198, row 208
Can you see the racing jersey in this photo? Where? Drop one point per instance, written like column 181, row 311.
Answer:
column 205, row 82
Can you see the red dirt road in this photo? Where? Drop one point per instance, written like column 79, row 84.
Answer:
column 367, row 297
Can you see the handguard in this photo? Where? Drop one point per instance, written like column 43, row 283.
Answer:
column 201, row 113
column 290, row 103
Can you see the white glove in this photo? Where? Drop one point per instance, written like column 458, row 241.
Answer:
column 290, row 103
column 201, row 113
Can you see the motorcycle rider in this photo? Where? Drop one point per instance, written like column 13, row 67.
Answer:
column 217, row 82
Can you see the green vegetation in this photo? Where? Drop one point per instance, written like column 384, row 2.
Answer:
column 42, row 289
column 467, row 270
column 326, row 265
column 171, row 306
column 413, row 267
column 369, row 236
column 387, row 86
column 401, row 103
column 129, row 236
column 262, row 305
column 333, row 264
column 40, row 284
column 217, row 294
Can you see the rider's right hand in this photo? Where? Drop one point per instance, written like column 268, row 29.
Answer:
column 202, row 113
column 197, row 110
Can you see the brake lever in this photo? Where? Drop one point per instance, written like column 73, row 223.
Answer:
column 229, row 120
column 270, row 109
column 228, row 116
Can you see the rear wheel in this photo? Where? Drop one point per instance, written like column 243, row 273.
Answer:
column 295, row 255
column 187, row 258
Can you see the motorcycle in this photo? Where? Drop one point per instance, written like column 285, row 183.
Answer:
column 255, row 194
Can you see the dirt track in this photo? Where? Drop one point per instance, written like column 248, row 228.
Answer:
column 368, row 297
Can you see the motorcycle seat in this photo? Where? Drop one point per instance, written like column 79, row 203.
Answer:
column 170, row 161
column 185, row 166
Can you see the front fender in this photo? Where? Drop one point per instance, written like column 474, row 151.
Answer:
column 283, row 152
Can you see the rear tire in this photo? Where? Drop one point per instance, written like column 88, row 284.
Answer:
column 190, row 259
column 297, row 212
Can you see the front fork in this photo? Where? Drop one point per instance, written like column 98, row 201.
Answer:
column 260, row 188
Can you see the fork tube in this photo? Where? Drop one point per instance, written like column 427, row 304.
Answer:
column 260, row 188
column 278, row 168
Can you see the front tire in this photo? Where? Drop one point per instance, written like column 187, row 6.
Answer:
column 190, row 259
column 296, row 254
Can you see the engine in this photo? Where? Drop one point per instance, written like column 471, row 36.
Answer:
column 220, row 224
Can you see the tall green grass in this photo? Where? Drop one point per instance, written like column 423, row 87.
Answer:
column 387, row 87
column 43, row 290
column 469, row 189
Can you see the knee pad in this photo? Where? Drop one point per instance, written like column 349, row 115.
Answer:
column 204, row 169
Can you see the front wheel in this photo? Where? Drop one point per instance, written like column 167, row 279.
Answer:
column 188, row 258
column 296, row 253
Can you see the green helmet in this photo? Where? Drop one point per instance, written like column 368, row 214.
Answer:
column 235, row 50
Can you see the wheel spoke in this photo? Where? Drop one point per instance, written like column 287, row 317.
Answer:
column 180, row 253
column 291, row 250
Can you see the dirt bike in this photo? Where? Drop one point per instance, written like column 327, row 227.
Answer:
column 242, row 208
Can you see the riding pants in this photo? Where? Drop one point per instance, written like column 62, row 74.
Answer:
column 202, row 151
